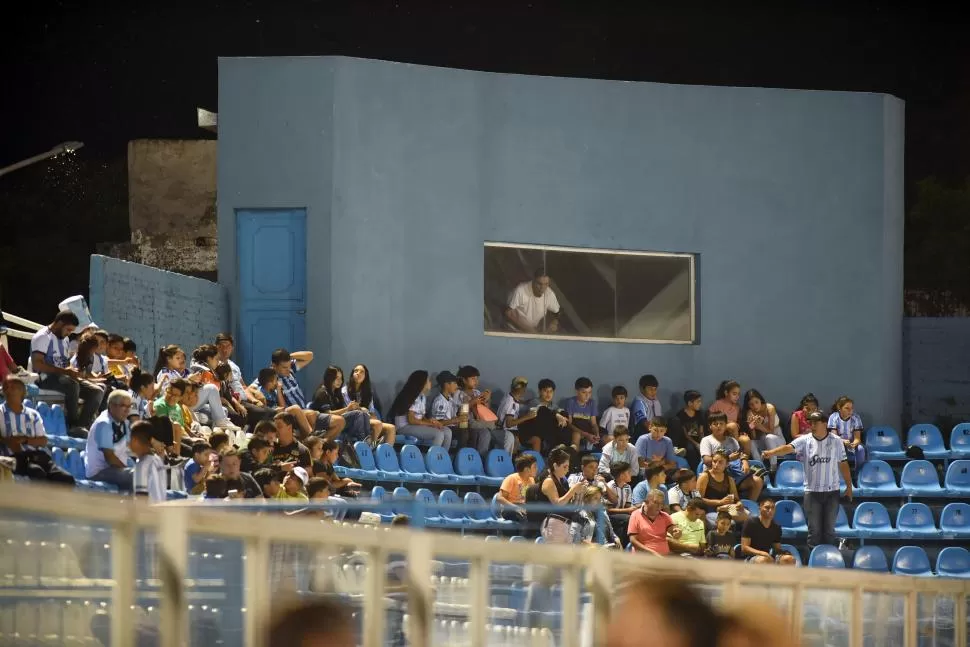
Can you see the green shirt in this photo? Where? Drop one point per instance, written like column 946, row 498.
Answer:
column 173, row 413
column 691, row 532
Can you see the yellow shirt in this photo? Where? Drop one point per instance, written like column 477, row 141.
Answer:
column 300, row 497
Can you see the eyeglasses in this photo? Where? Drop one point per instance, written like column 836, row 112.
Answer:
column 122, row 405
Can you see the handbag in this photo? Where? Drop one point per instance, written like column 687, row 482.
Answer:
column 485, row 414
column 555, row 530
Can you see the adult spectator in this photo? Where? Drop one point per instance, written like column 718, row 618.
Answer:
column 761, row 535
column 50, row 356
column 286, row 365
column 533, row 307
column 650, row 526
column 409, row 411
column 225, row 344
column 7, row 365
column 22, row 436
column 321, row 623
column 738, row 467
column 716, row 488
column 759, row 420
column 552, row 489
column 106, row 452
column 688, row 426
column 690, row 520
column 289, row 452
column 823, row 456
column 230, row 466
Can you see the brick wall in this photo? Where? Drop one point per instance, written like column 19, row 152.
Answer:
column 155, row 307
column 936, row 370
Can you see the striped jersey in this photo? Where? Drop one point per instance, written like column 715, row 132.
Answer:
column 149, row 478
column 845, row 428
column 26, row 424
column 821, row 459
column 56, row 350
column 292, row 393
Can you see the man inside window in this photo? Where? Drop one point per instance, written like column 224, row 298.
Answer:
column 533, row 306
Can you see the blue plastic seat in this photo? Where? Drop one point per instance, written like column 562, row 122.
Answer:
column 481, row 513
column 751, row 507
column 928, row 438
column 367, row 464
column 682, row 463
column 412, row 463
column 919, row 478
column 842, row 528
column 876, row 479
column 404, row 439
column 401, row 499
column 499, row 463
column 870, row 558
column 386, row 459
column 955, row 520
column 438, row 462
column 540, row 461
column 789, row 479
column 953, row 561
column 60, row 458
column 496, row 509
column 883, row 443
column 960, row 441
column 540, row 540
column 790, row 516
column 58, row 421
column 74, row 463
column 826, row 556
column 957, row 479
column 430, row 503
column 451, row 512
column 912, row 561
column 871, row 519
column 794, row 553
column 468, row 462
column 517, row 539
column 915, row 520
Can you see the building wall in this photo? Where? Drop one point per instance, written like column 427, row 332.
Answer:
column 792, row 200
column 936, row 354
column 155, row 307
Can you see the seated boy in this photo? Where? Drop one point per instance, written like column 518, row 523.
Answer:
column 722, row 540
column 645, row 407
column 270, row 479
column 655, row 448
column 151, row 473
column 199, row 468
column 616, row 415
column 293, row 486
column 169, row 406
column 619, row 512
column 511, row 494
column 323, row 453
column 256, row 456
column 582, row 412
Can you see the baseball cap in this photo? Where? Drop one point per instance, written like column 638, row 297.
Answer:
column 301, row 474
column 518, row 381
column 817, row 416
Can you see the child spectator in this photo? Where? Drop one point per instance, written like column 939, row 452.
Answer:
column 235, row 410
column 616, row 415
column 550, row 424
column 170, row 365
column 118, row 364
column 256, row 456
column 293, row 486
column 409, row 412
column 200, row 468
column 738, row 467
column 142, row 388
column 289, row 452
column 690, row 520
column 722, row 539
column 445, row 409
column 215, row 488
column 687, row 427
column 324, row 453
column 90, row 363
column 510, row 410
column 358, row 389
column 582, row 412
column 684, row 491
column 653, row 479
column 847, row 425
column 511, row 494
column 726, row 401
column 587, row 522
column 481, row 419
column 169, row 406
column 318, row 489
column 270, row 479
column 193, row 426
column 589, row 477
column 205, row 359
column 131, row 352
column 620, row 450
column 645, row 407
column 799, row 419
column 220, row 442
column 269, row 394
column 22, row 436
column 230, row 466
column 655, row 448
column 150, row 474
column 619, row 513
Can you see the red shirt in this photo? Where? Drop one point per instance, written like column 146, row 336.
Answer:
column 7, row 365
column 652, row 534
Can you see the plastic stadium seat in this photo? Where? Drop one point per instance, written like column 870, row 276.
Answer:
column 439, row 463
column 915, row 520
column 953, row 561
column 919, row 478
column 872, row 520
column 468, row 462
column 789, row 479
column 480, row 512
column 883, row 443
column 386, row 459
column 955, row 520
column 790, row 516
column 794, row 552
column 367, row 464
column 870, row 558
column 401, row 500
column 499, row 463
column 451, row 513
column 842, row 528
column 74, row 464
column 412, row 463
column 540, row 461
column 876, row 478
column 60, row 457
column 912, row 560
column 682, row 463
column 430, row 503
column 751, row 507
column 928, row 438
column 404, row 439
column 960, row 441
column 826, row 556
column 540, row 540
column 957, row 480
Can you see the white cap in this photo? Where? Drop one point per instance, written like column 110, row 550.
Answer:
column 301, row 474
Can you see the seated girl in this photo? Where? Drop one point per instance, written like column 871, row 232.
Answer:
column 409, row 412
column 170, row 365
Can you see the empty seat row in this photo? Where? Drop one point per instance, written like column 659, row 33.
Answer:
column 871, row 519
column 884, row 443
column 953, row 561
column 448, row 510
column 436, row 467
column 877, row 479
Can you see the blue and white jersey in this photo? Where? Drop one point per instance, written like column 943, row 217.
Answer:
column 139, row 406
column 105, row 433
column 56, row 350
column 419, row 408
column 508, row 408
column 166, row 375
column 821, row 460
column 150, row 478
column 26, row 424
column 292, row 393
column 845, row 428
column 443, row 408
column 642, row 412
column 97, row 366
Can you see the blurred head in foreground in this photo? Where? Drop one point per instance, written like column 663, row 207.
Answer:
column 321, row 623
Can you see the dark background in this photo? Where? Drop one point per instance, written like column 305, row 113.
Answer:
column 108, row 73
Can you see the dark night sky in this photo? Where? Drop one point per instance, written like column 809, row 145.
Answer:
column 114, row 72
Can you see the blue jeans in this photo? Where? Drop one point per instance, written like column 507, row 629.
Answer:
column 123, row 478
column 821, row 511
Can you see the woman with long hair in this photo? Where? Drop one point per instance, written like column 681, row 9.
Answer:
column 552, row 488
column 717, row 489
column 170, row 365
column 358, row 424
column 799, row 419
column 726, row 400
column 759, row 419
column 359, row 389
column 409, row 412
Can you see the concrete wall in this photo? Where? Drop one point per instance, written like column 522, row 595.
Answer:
column 155, row 307
column 792, row 200
column 171, row 205
column 936, row 354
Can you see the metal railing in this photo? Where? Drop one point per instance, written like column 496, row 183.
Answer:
column 839, row 607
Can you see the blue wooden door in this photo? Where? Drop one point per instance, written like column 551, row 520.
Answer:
column 271, row 253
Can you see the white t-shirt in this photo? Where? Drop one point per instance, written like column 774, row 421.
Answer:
column 533, row 308
column 149, row 478
column 614, row 416
column 710, row 444
column 508, row 408
column 419, row 408
column 56, row 350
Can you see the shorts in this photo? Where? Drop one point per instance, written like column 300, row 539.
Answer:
column 322, row 423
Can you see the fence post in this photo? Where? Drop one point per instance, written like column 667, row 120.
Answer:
column 599, row 578
column 479, row 600
column 123, row 539
column 374, row 611
column 570, row 606
column 420, row 597
column 173, row 551
column 255, row 600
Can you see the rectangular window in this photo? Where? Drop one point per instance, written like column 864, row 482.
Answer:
column 590, row 294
